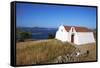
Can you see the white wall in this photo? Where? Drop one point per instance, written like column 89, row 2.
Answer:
column 61, row 34
column 75, row 35
column 85, row 37
column 5, row 34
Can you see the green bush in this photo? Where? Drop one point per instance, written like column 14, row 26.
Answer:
column 23, row 35
column 51, row 36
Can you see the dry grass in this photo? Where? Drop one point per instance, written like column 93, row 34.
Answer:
column 44, row 51
column 41, row 51
column 92, row 52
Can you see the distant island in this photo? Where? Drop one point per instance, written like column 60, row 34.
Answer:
column 35, row 32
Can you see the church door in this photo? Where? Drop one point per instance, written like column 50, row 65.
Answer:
column 72, row 38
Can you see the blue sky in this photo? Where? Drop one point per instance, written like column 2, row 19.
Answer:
column 52, row 16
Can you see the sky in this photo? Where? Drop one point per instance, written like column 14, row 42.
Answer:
column 52, row 16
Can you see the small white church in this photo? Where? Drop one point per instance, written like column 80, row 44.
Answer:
column 75, row 34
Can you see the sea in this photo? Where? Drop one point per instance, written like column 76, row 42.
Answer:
column 38, row 33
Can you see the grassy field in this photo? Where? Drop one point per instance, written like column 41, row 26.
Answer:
column 91, row 48
column 44, row 51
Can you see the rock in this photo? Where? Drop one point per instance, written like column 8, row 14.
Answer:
column 60, row 59
column 75, row 56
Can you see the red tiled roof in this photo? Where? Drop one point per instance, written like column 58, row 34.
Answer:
column 67, row 27
column 78, row 29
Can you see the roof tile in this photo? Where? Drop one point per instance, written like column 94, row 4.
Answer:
column 78, row 29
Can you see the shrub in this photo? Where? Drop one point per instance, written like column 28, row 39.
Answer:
column 22, row 35
column 51, row 36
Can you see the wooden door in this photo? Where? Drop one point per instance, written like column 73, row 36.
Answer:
column 72, row 38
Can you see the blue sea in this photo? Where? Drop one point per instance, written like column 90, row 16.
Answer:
column 42, row 34
column 38, row 33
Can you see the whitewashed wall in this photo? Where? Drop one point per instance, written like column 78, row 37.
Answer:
column 75, row 35
column 62, row 35
column 79, row 37
column 85, row 37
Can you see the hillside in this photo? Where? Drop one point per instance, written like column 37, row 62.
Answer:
column 48, row 51
column 91, row 48
column 34, row 32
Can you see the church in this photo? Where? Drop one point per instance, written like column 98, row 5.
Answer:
column 75, row 34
